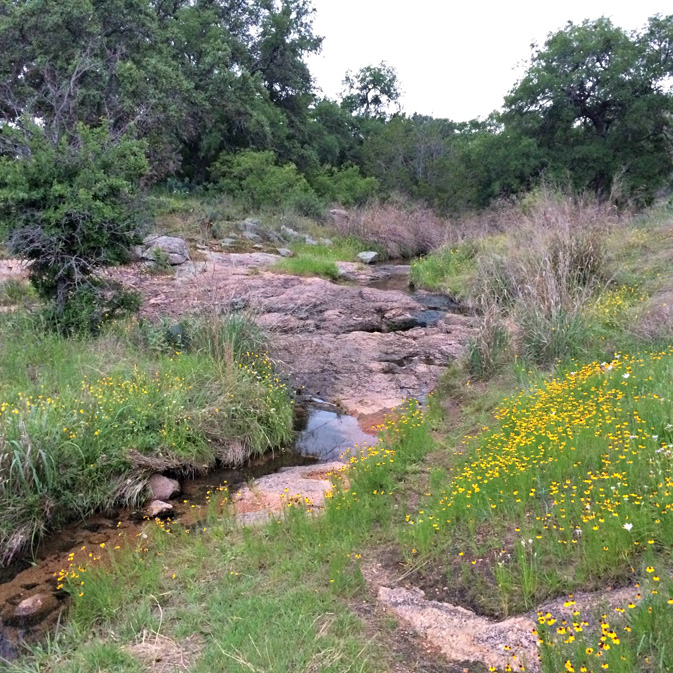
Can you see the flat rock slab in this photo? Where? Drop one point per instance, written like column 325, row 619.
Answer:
column 462, row 635
column 305, row 485
column 353, row 345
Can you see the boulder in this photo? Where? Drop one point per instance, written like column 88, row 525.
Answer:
column 163, row 488
column 252, row 236
column 31, row 610
column 288, row 233
column 285, row 252
column 309, row 240
column 174, row 247
column 159, row 510
column 368, row 257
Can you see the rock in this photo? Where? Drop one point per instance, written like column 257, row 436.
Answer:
column 358, row 345
column 289, row 234
column 274, row 237
column 326, row 242
column 173, row 247
column 31, row 610
column 163, row 488
column 249, row 224
column 227, row 242
column 252, row 236
column 159, row 510
column 462, row 635
column 309, row 240
column 368, row 257
column 305, row 485
column 258, row 246
column 338, row 214
column 285, row 252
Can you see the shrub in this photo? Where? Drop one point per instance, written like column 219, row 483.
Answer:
column 346, row 186
column 400, row 232
column 256, row 179
column 69, row 209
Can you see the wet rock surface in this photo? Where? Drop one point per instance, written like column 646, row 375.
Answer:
column 363, row 348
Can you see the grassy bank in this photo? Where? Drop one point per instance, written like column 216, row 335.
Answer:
column 285, row 597
column 85, row 421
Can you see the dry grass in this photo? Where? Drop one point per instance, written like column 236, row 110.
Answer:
column 396, row 231
column 542, row 271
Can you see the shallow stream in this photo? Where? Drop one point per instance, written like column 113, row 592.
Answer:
column 325, row 435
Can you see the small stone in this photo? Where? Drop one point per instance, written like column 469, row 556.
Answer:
column 32, row 610
column 368, row 257
column 309, row 240
column 159, row 510
column 326, row 242
column 163, row 488
column 285, row 252
column 257, row 246
column 97, row 538
column 227, row 242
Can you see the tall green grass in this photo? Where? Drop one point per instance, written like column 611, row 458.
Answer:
column 84, row 422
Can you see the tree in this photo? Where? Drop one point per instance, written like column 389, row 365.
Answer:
column 70, row 209
column 596, row 100
column 98, row 62
column 372, row 91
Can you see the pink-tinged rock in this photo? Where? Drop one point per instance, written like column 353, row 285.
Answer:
column 159, row 510
column 164, row 488
column 32, row 610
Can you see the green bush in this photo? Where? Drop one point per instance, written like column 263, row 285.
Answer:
column 71, row 208
column 345, row 185
column 256, row 179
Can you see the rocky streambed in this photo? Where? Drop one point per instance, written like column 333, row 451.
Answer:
column 353, row 349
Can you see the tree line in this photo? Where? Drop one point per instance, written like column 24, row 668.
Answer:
column 100, row 99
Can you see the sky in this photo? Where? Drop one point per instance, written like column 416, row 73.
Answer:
column 454, row 58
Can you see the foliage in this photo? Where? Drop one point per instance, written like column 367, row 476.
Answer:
column 255, row 178
column 345, row 186
column 70, row 209
column 372, row 91
column 595, row 99
column 90, row 442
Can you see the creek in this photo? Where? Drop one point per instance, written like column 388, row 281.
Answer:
column 324, row 435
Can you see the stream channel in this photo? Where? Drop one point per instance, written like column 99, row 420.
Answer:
column 323, row 435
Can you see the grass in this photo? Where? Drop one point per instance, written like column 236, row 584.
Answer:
column 84, row 435
column 546, row 477
column 15, row 292
column 307, row 265
column 320, row 260
column 278, row 598
column 447, row 270
column 570, row 490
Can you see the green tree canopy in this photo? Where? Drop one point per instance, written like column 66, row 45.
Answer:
column 373, row 91
column 597, row 101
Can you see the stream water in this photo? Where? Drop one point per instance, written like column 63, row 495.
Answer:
column 326, row 435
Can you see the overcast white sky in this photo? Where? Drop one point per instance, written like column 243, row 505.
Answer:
column 454, row 58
